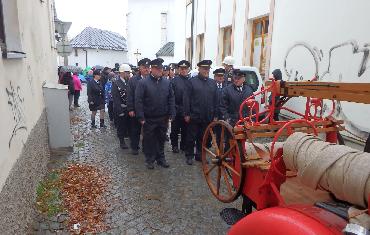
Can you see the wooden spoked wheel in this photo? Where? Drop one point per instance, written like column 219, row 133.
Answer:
column 222, row 158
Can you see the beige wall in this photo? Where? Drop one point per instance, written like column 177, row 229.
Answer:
column 21, row 80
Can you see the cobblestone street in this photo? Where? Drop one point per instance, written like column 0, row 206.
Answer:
column 160, row 201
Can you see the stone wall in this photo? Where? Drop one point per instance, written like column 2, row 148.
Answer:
column 18, row 195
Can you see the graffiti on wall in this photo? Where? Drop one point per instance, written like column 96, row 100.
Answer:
column 347, row 61
column 317, row 55
column 16, row 102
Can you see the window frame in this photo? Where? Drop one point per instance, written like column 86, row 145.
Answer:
column 224, row 31
column 11, row 34
column 264, row 34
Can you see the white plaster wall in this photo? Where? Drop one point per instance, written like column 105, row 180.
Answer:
column 335, row 22
column 239, row 31
column 144, row 27
column 226, row 16
column 21, row 81
column 97, row 57
column 200, row 14
column 211, row 34
column 258, row 8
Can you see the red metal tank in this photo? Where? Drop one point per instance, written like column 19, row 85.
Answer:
column 290, row 220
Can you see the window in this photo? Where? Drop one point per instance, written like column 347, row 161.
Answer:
column 188, row 46
column 76, row 52
column 259, row 41
column 226, row 42
column 251, row 79
column 163, row 28
column 11, row 44
column 2, row 35
column 200, row 47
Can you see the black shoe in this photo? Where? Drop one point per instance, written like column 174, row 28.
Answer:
column 150, row 166
column 77, row 105
column 163, row 164
column 123, row 145
column 175, row 150
column 102, row 125
column 93, row 126
column 189, row 161
column 134, row 152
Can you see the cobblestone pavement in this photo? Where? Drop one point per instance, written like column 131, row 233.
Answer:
column 160, row 201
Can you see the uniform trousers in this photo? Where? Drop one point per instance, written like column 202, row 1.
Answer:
column 178, row 126
column 135, row 130
column 122, row 125
column 154, row 137
column 194, row 137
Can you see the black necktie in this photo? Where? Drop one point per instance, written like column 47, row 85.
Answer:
column 240, row 89
column 219, row 86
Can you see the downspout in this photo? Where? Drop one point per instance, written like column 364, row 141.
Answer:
column 85, row 56
column 192, row 33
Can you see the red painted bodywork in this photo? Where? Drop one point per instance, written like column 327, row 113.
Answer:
column 290, row 220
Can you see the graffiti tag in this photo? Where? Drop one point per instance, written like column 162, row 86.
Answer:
column 15, row 101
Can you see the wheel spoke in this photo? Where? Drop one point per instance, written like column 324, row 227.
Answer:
column 230, row 168
column 229, row 150
column 210, row 169
column 218, row 180
column 214, row 141
column 222, row 137
column 227, row 182
column 210, row 152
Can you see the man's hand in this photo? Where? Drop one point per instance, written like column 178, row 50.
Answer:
column 131, row 114
column 142, row 122
column 187, row 119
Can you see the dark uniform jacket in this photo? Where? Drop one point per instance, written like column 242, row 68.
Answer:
column 95, row 93
column 132, row 83
column 179, row 86
column 231, row 101
column 200, row 99
column 154, row 98
column 219, row 98
column 119, row 94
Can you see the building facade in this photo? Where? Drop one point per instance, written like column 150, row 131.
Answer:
column 332, row 45
column 216, row 29
column 304, row 39
column 28, row 60
column 151, row 24
column 98, row 47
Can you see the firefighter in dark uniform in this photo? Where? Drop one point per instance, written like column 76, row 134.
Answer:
column 221, row 84
column 228, row 64
column 119, row 94
column 155, row 107
column 179, row 125
column 219, row 76
column 95, row 97
column 135, row 127
column 233, row 96
column 200, row 105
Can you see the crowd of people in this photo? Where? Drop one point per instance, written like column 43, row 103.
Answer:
column 153, row 98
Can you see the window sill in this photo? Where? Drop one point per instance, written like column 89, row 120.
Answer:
column 14, row 55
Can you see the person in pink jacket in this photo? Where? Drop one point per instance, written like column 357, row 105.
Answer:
column 78, row 89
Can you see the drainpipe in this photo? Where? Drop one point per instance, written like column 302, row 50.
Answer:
column 85, row 56
column 192, row 33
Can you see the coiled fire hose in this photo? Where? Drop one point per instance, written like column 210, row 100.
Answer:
column 339, row 169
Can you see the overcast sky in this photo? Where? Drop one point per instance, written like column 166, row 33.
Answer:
column 102, row 14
